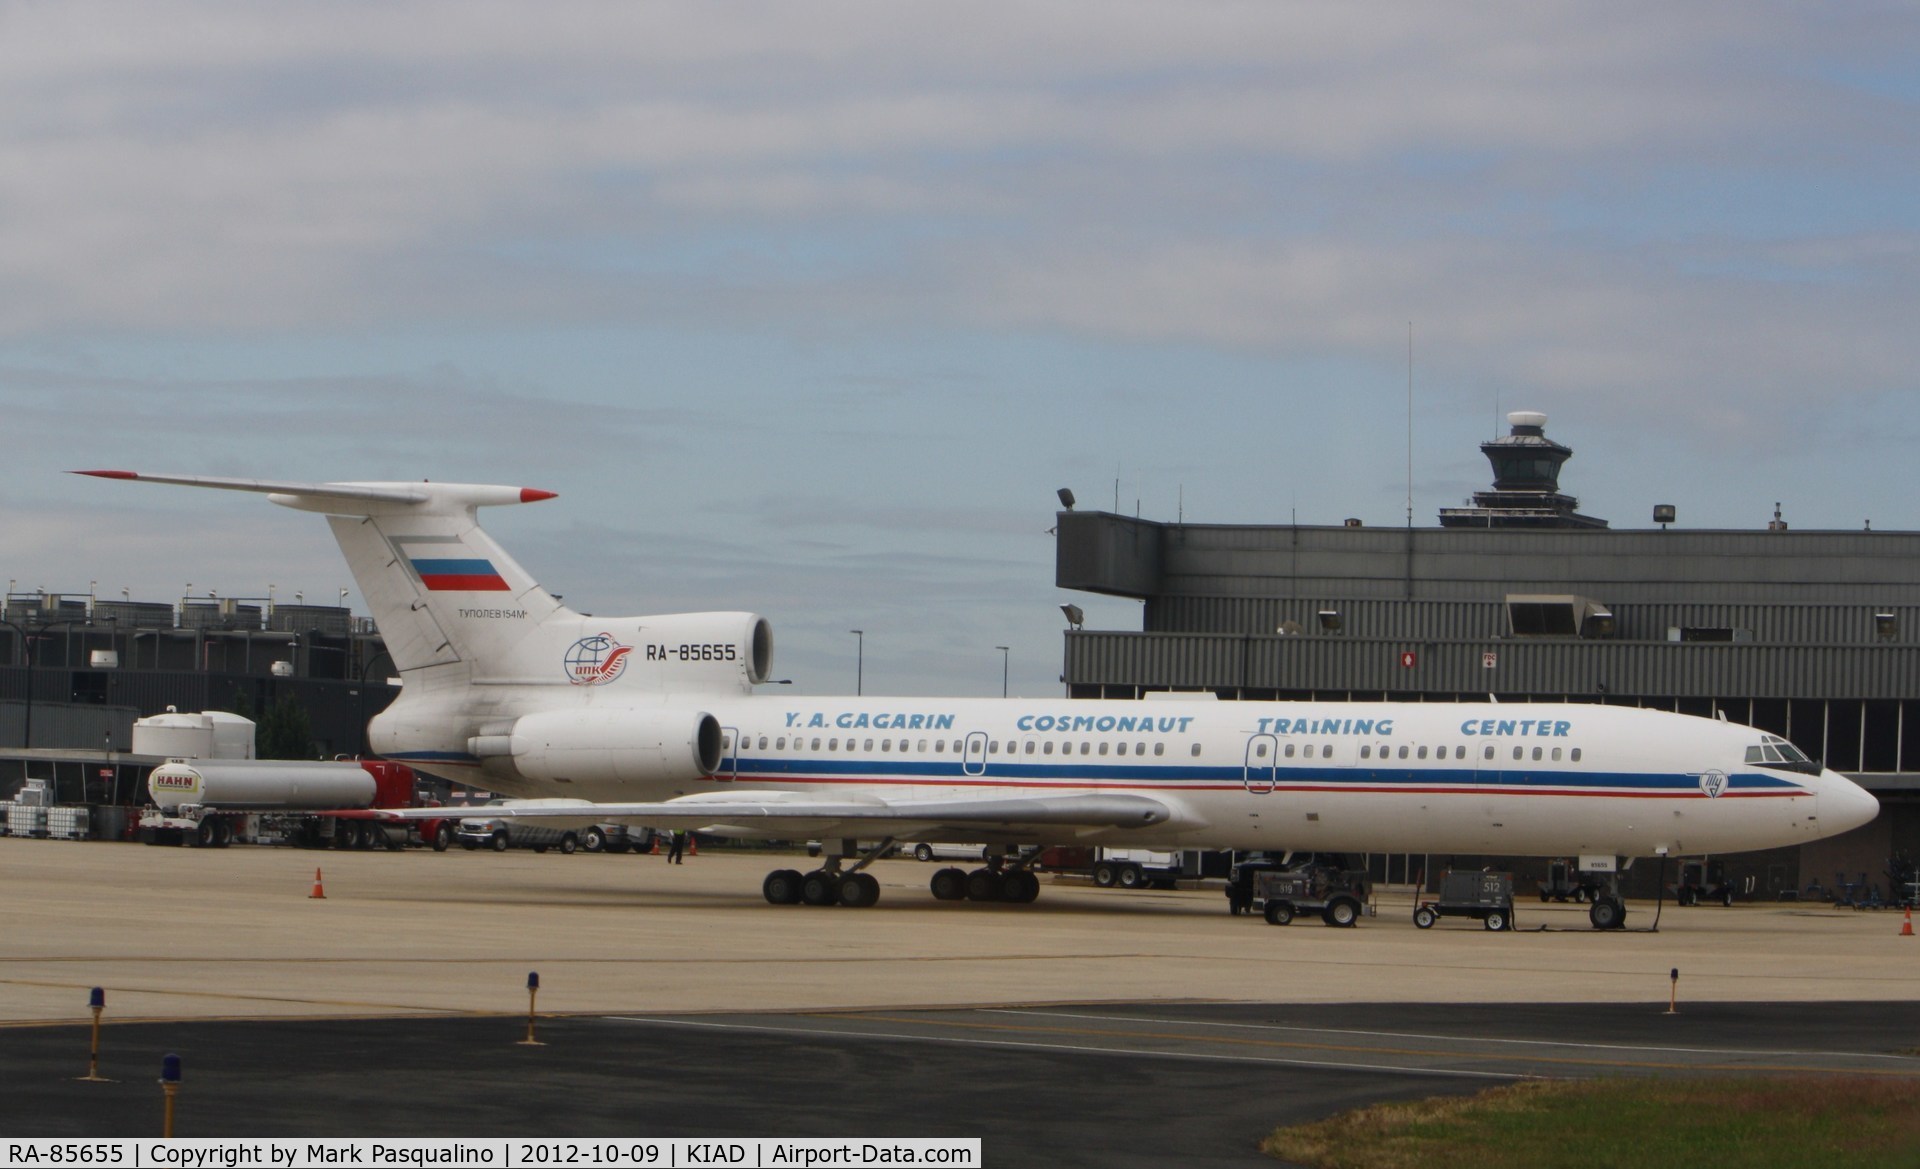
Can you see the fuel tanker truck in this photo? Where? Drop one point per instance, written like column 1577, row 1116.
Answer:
column 210, row 803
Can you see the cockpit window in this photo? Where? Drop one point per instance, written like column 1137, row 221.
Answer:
column 1774, row 751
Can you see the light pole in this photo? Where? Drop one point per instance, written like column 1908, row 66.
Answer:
column 859, row 660
column 1006, row 655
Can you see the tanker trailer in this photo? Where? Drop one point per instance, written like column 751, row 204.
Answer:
column 211, row 802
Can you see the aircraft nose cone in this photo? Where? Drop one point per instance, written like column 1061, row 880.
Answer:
column 1844, row 804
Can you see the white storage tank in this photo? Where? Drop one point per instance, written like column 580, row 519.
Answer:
column 213, row 735
column 232, row 735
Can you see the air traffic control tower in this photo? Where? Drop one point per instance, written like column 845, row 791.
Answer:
column 1526, row 483
column 1814, row 635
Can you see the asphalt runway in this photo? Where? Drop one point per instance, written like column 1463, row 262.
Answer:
column 1114, row 1085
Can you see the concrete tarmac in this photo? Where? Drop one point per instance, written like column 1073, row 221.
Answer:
column 1095, row 1027
column 222, row 933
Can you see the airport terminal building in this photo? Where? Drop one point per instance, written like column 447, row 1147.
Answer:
column 1813, row 635
column 77, row 670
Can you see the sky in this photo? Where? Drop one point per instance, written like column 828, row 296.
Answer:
column 809, row 308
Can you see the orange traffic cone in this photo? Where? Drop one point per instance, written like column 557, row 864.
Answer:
column 317, row 890
column 693, row 846
column 1906, row 926
column 655, row 850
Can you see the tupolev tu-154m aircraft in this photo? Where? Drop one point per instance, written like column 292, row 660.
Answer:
column 655, row 721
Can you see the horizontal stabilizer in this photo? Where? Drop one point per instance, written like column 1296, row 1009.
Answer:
column 350, row 498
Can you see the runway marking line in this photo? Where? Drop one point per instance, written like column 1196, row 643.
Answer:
column 1460, row 1038
column 1646, row 1065
column 237, row 996
column 1077, row 1049
column 1238, row 1041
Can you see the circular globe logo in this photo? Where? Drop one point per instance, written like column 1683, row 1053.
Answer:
column 596, row 660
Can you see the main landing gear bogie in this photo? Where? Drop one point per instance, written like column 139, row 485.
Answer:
column 820, row 887
column 855, row 890
column 1008, row 882
column 1007, row 886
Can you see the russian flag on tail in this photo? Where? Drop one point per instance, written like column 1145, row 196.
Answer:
column 475, row 575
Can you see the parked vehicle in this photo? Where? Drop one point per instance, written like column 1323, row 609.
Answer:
column 1704, row 882
column 928, row 850
column 1486, row 896
column 210, row 803
column 1141, row 868
column 616, row 838
column 1247, row 867
column 500, row 834
column 1340, row 896
column 1565, row 882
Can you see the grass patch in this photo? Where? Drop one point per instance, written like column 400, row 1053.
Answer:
column 1800, row 1122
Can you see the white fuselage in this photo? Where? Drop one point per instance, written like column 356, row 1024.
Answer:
column 1516, row 779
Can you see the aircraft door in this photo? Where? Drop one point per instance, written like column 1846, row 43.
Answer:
column 730, row 744
column 974, row 760
column 1260, row 773
column 1486, row 764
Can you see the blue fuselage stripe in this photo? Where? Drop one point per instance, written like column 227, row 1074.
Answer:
column 1164, row 775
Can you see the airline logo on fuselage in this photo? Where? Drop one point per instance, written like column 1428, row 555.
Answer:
column 1526, row 728
column 1325, row 726
column 861, row 720
column 596, row 660
column 1131, row 724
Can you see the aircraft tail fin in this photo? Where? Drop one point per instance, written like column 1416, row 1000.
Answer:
column 440, row 589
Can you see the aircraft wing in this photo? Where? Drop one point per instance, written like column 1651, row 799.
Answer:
column 776, row 814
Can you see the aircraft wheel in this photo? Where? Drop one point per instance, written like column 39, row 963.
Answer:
column 984, row 885
column 820, row 887
column 1606, row 913
column 1496, row 920
column 1130, row 877
column 1279, row 912
column 782, row 887
column 1424, row 917
column 1020, row 888
column 1104, row 875
column 500, row 842
column 1342, row 912
column 859, row 891
column 443, row 838
column 949, row 885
